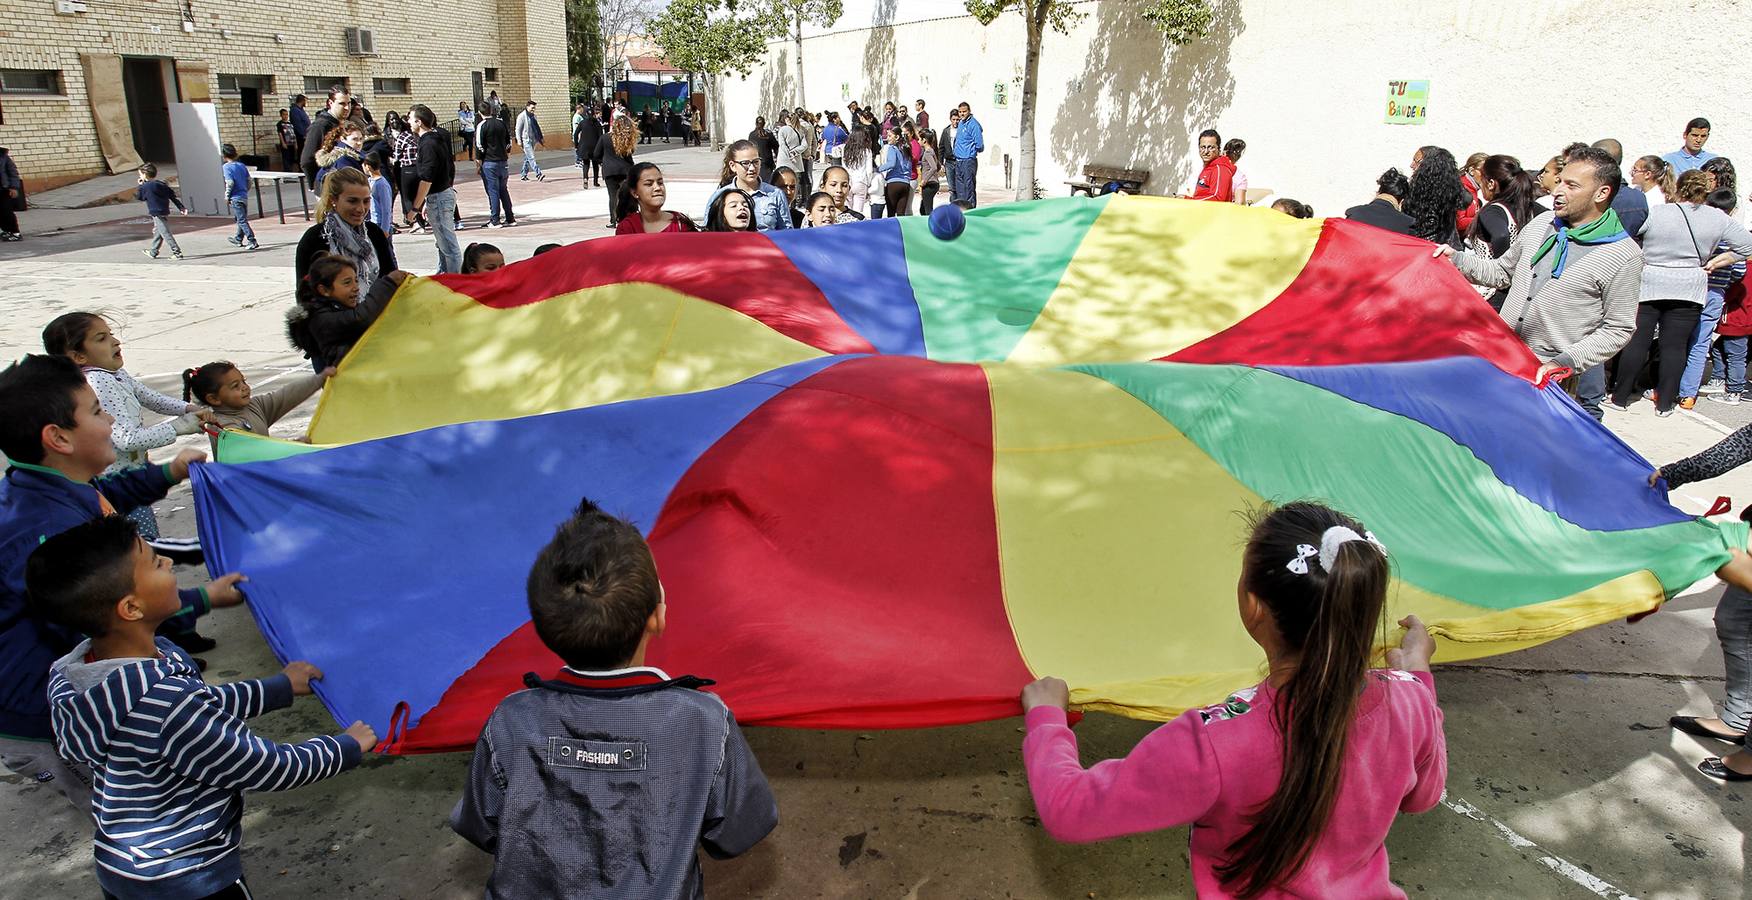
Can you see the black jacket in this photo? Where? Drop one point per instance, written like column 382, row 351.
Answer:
column 1381, row 214
column 437, row 162
column 319, row 128
column 494, row 139
column 613, row 165
column 313, row 243
column 326, row 330
column 588, row 137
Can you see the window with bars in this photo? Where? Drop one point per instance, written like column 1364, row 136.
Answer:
column 490, row 75
column 320, row 84
column 232, row 85
column 25, row 82
column 390, row 86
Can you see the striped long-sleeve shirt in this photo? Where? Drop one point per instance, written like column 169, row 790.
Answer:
column 172, row 757
column 1577, row 320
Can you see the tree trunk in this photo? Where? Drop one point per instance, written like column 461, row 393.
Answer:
column 715, row 120
column 1035, row 14
column 797, row 24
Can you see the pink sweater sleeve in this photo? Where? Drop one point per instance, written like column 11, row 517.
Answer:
column 1170, row 778
column 1432, row 750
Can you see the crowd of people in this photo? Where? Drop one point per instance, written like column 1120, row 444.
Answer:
column 1614, row 283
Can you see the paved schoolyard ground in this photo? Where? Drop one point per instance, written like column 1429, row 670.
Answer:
column 1564, row 782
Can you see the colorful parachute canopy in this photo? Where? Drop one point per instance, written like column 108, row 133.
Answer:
column 889, row 479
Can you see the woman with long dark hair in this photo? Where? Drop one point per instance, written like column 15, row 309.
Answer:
column 1436, row 199
column 859, row 158
column 1506, row 191
column 641, row 211
column 1290, row 785
column 731, row 210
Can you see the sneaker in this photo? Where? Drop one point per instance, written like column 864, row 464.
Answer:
column 1651, row 396
column 1687, row 402
column 523, row 178
column 149, row 254
column 1615, row 405
column 234, row 241
column 1663, row 413
column 1714, row 387
column 11, row 236
column 461, row 226
column 177, row 255
column 510, row 223
column 540, row 177
column 253, row 247
column 1727, row 398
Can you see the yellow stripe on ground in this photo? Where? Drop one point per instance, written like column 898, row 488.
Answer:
column 1155, row 275
column 1121, row 547
column 437, row 357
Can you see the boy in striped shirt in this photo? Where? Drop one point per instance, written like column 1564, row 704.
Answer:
column 170, row 754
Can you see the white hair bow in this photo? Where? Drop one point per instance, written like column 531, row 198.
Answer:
column 1330, row 540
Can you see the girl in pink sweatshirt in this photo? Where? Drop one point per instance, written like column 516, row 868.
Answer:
column 1268, row 820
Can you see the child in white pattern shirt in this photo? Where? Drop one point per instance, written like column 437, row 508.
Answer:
column 89, row 341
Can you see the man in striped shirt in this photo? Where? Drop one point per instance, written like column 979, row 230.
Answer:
column 170, row 754
column 1573, row 277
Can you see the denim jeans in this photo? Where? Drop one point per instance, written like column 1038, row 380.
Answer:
column 441, row 218
column 1733, row 620
column 1732, row 354
column 1700, row 339
column 161, row 235
column 493, row 177
column 240, row 212
column 529, row 166
column 1589, row 389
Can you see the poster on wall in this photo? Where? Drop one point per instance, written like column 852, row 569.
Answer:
column 1407, row 102
column 1000, row 95
column 845, row 91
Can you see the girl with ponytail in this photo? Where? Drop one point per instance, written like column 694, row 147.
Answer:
column 221, row 385
column 1292, row 784
column 1654, row 177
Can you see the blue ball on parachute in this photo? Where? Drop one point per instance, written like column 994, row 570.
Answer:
column 947, row 222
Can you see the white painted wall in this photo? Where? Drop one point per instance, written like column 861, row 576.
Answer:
column 1306, row 91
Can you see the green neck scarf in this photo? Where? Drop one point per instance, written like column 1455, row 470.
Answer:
column 1603, row 230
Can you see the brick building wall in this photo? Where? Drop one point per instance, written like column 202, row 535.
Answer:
column 434, row 47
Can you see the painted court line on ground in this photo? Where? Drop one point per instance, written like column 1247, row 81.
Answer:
column 1561, row 866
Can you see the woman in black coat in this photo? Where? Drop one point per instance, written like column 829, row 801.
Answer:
column 588, row 140
column 343, row 227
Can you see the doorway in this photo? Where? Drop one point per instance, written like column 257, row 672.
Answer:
column 480, row 93
column 144, row 85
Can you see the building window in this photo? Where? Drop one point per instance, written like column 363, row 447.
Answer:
column 320, row 84
column 30, row 81
column 390, row 86
column 232, row 85
column 491, row 75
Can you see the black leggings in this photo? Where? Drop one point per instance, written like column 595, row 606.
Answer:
column 1676, row 320
column 612, row 183
column 592, row 167
column 410, row 185
column 927, row 198
column 898, row 195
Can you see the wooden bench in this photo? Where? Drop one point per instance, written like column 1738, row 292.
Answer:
column 1131, row 181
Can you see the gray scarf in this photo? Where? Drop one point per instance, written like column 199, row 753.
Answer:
column 355, row 245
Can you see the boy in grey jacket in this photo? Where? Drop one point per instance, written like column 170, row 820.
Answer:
column 602, row 778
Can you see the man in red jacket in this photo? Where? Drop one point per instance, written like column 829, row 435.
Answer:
column 1217, row 181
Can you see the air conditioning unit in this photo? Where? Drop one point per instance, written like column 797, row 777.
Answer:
column 361, row 42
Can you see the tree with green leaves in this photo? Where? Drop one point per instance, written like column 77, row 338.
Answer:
column 1180, row 21
column 796, row 14
column 715, row 37
column 583, row 41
